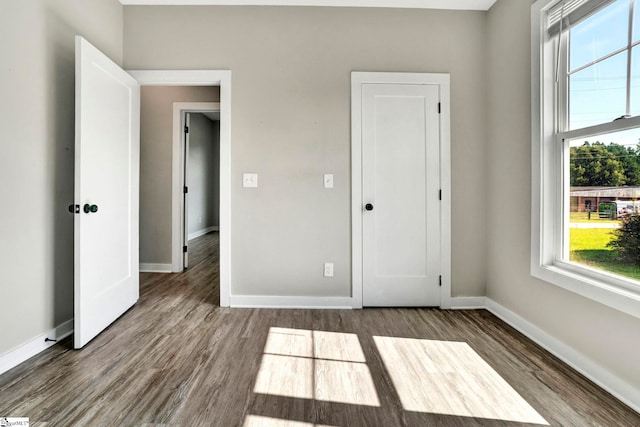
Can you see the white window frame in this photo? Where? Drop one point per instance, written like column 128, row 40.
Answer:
column 548, row 221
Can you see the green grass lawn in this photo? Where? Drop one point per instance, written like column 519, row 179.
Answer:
column 589, row 246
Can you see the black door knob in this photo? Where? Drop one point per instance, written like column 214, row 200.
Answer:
column 368, row 207
column 87, row 208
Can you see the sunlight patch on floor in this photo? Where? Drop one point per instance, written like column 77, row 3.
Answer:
column 337, row 346
column 285, row 376
column 450, row 378
column 315, row 344
column 258, row 421
column 289, row 342
column 327, row 366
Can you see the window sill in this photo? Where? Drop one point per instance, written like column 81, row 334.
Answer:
column 570, row 277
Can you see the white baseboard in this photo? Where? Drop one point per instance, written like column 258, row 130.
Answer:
column 468, row 303
column 250, row 301
column 155, row 268
column 618, row 387
column 23, row 352
column 202, row 232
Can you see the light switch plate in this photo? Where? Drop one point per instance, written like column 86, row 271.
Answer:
column 328, row 269
column 249, row 179
column 328, row 180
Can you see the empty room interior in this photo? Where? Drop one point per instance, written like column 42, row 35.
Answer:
column 320, row 213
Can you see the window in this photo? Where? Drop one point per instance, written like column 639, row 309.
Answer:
column 586, row 145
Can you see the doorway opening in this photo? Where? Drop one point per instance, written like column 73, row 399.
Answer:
column 200, row 149
column 172, row 168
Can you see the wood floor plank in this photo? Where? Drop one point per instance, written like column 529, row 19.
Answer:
column 177, row 359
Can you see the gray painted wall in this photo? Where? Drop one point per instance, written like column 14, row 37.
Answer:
column 156, row 141
column 36, row 155
column 204, row 173
column 291, row 123
column 606, row 336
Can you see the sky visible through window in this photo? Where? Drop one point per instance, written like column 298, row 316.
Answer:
column 598, row 79
column 600, row 34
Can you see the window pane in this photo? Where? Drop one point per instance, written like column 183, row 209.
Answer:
column 600, row 34
column 598, row 93
column 636, row 22
column 635, row 79
column 604, row 192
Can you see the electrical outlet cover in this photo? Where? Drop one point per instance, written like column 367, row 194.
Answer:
column 250, row 180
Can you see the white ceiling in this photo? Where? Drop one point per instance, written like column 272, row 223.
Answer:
column 405, row 4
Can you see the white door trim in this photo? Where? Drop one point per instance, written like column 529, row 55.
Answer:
column 178, row 224
column 443, row 81
column 220, row 78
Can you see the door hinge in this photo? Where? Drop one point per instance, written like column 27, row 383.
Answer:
column 439, row 107
column 186, row 189
column 186, row 129
column 184, row 249
column 439, row 194
column 440, row 280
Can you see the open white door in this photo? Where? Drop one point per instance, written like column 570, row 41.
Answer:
column 107, row 155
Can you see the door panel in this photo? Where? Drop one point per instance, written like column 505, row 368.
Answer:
column 106, row 176
column 185, row 215
column 400, row 172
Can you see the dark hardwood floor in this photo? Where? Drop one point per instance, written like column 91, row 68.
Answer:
column 177, row 359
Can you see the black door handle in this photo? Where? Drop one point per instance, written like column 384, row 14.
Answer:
column 368, row 207
column 90, row 208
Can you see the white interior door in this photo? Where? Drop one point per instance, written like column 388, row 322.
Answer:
column 106, row 192
column 400, row 192
column 185, row 231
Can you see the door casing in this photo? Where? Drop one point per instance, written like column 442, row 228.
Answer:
column 358, row 79
column 221, row 78
column 179, row 223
